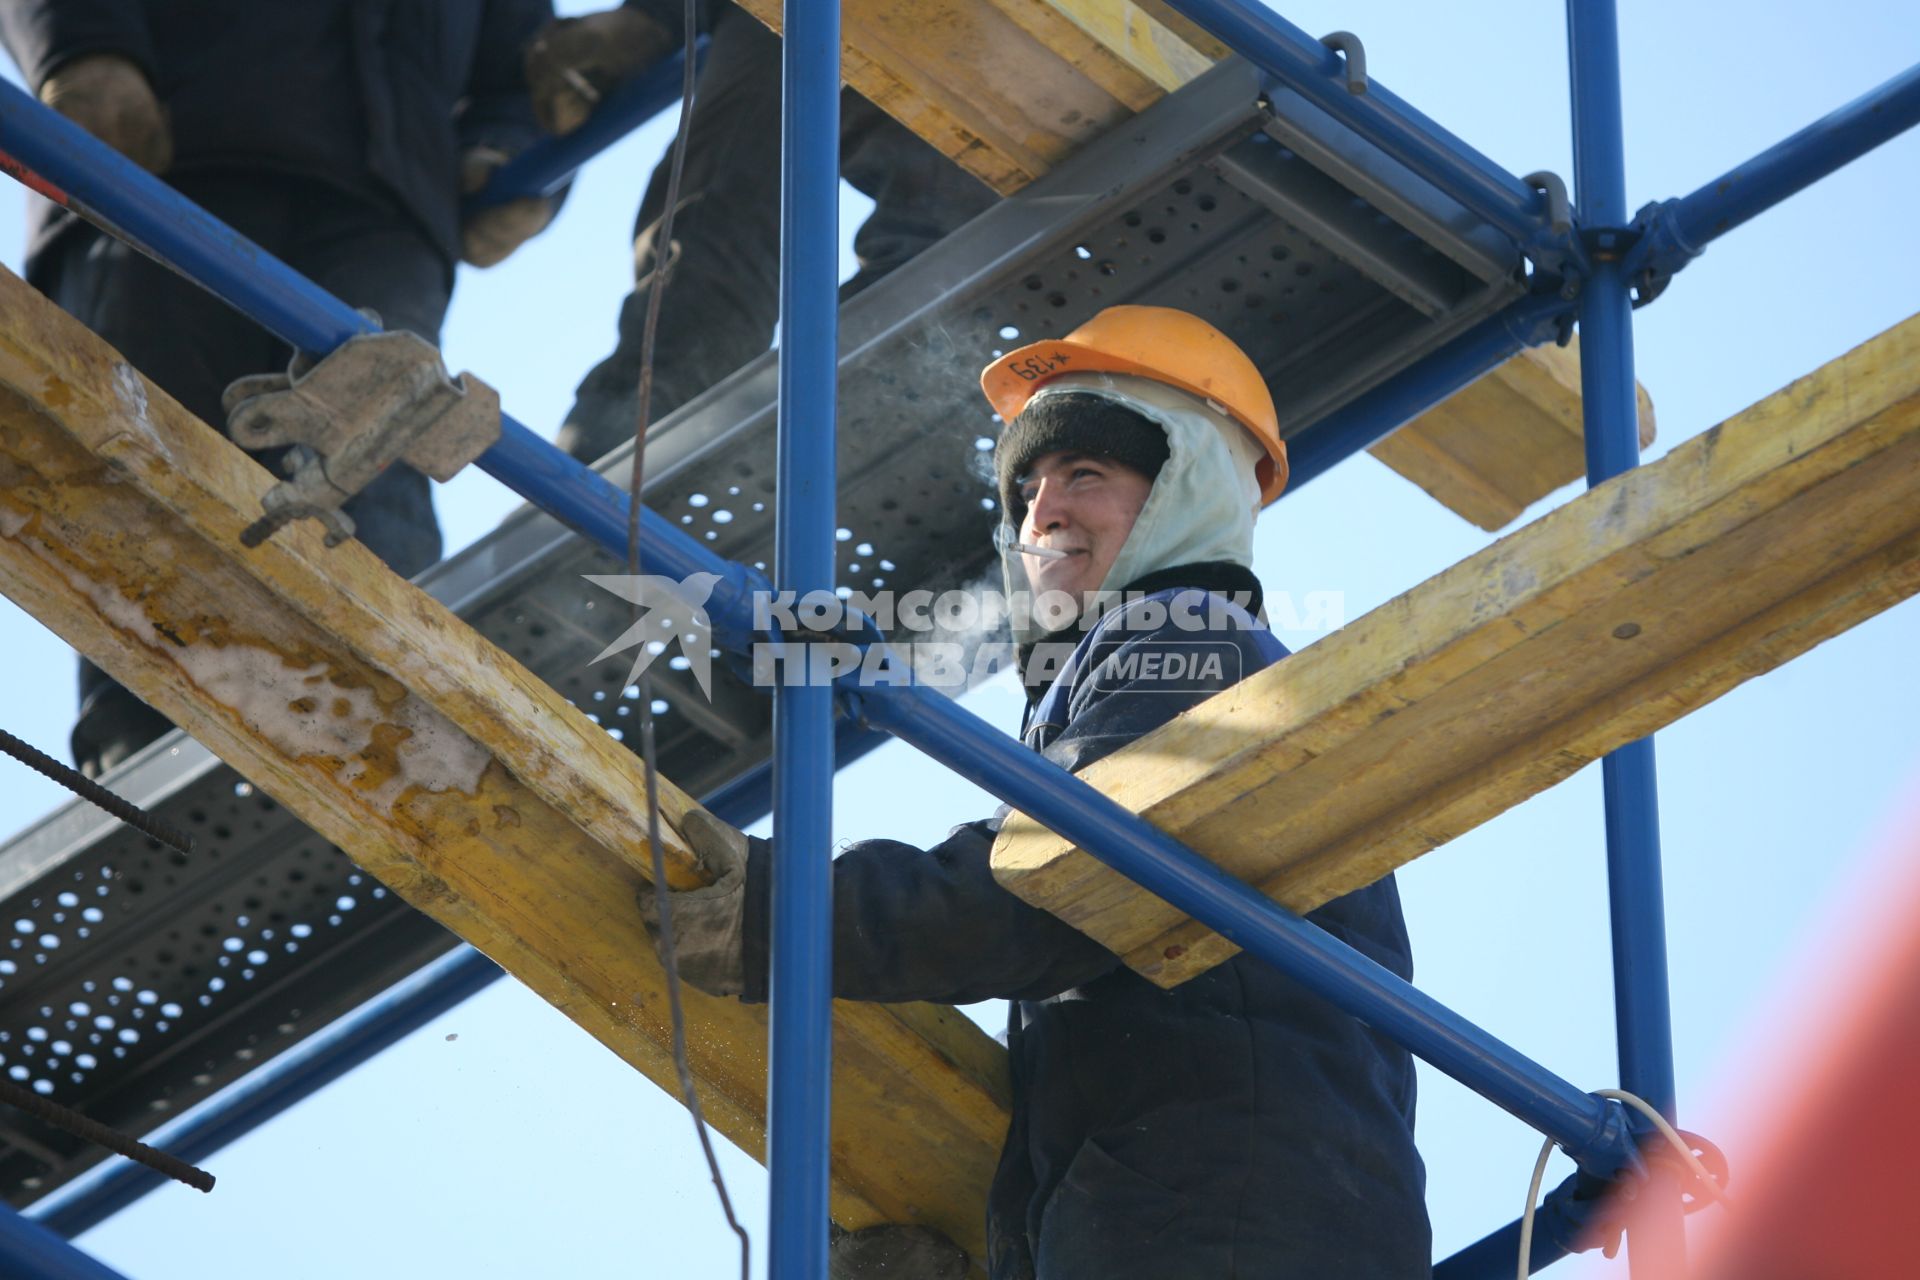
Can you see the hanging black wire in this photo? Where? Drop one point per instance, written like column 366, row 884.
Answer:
column 664, row 258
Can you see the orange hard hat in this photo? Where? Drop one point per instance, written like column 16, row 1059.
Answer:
column 1167, row 345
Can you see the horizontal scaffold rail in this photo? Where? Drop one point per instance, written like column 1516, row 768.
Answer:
column 1592, row 627
column 443, row 767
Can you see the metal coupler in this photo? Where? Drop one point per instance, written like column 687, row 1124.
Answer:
column 376, row 399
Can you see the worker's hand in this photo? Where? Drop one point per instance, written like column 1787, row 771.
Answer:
column 574, row 62
column 709, row 923
column 488, row 236
column 894, row 1252
column 109, row 97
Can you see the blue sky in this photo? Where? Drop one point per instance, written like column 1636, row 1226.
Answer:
column 502, row 1142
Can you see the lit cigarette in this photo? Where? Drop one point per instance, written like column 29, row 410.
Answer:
column 1028, row 548
column 581, row 85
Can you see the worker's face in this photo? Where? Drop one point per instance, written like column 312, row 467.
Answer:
column 1084, row 505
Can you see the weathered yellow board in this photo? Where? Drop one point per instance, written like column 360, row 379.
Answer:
column 1601, row 622
column 1492, row 449
column 458, row 778
column 1007, row 88
column 1010, row 88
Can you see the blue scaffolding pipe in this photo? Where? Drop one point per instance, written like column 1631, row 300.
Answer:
column 1573, row 1216
column 57, row 159
column 1491, row 1257
column 585, row 501
column 304, row 315
column 545, row 167
column 1612, row 428
column 1594, row 1133
column 31, row 1252
column 301, row 1071
column 1319, row 74
column 60, row 160
column 800, row 990
column 1678, row 230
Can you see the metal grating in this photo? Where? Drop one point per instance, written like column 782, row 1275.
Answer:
column 126, row 962
column 135, row 982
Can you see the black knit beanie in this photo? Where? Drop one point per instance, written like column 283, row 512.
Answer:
column 1079, row 422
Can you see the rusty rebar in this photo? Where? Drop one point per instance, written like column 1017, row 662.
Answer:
column 86, row 1127
column 87, row 789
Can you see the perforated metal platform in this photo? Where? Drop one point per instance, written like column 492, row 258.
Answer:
column 135, row 982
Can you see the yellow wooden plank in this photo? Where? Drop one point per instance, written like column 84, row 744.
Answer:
column 1499, row 445
column 442, row 766
column 1601, row 622
column 1152, row 43
column 1007, row 88
column 1178, row 26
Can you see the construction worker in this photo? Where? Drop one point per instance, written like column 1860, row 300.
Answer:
column 339, row 135
column 723, row 303
column 1236, row 1125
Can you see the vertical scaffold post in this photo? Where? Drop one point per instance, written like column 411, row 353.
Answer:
column 1611, row 417
column 800, row 1061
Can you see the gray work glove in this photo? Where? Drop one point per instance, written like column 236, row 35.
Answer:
column 709, row 923
column 893, row 1252
column 488, row 236
column 574, row 62
column 109, row 97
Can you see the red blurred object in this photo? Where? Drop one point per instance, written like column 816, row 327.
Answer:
column 1827, row 1181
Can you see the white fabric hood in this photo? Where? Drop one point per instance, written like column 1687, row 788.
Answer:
column 1203, row 501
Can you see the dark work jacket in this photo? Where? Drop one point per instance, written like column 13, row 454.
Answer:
column 1235, row 1126
column 377, row 97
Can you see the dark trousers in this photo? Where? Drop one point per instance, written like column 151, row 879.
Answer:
column 723, row 303
column 192, row 345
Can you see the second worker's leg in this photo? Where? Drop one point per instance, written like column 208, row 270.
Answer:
column 722, row 301
column 919, row 196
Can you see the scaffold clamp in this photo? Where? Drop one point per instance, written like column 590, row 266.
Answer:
column 376, row 399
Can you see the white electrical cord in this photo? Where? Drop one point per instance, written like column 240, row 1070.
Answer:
column 1533, row 1198
column 1673, row 1137
column 1667, row 1131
